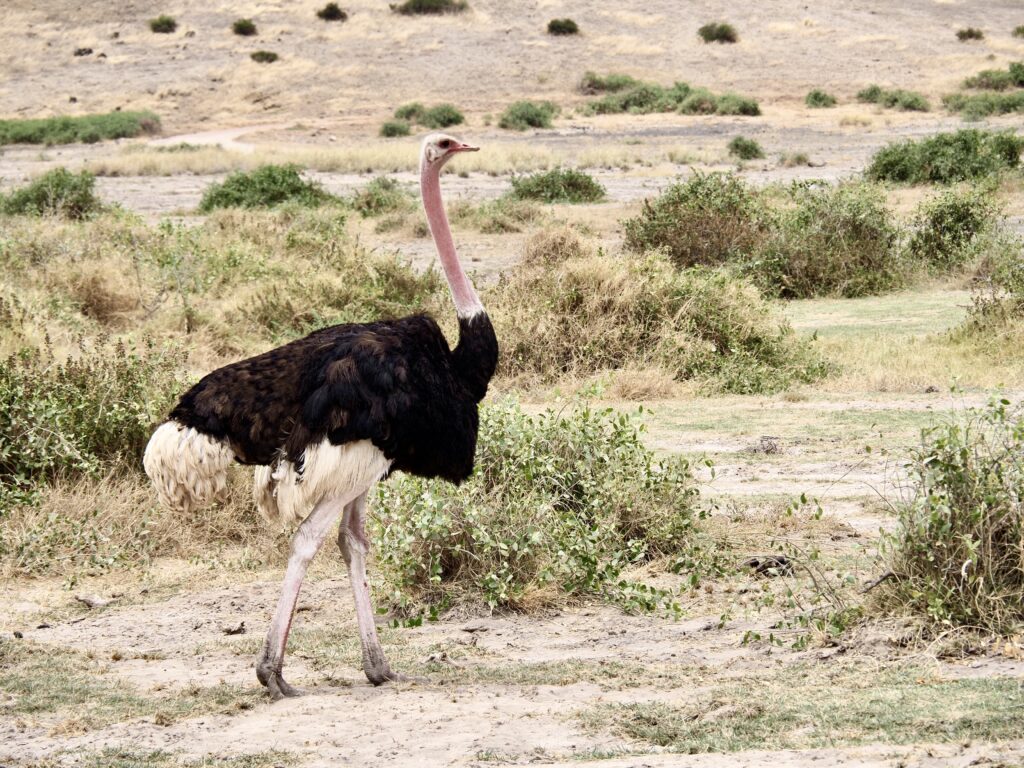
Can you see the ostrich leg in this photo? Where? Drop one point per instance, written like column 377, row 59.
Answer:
column 354, row 545
column 308, row 539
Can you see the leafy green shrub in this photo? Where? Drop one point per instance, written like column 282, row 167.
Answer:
column 1018, row 31
column 560, row 185
column 979, row 105
column 332, row 12
column 244, row 27
column 267, row 186
column 819, row 99
column 745, row 149
column 263, row 57
column 560, row 505
column 908, row 101
column 429, row 7
column 163, row 25
column 718, row 32
column 969, row 33
column 441, row 116
column 411, row 112
column 947, row 157
column 563, row 27
column 393, row 128
column 87, row 129
column 380, row 196
column 709, row 219
column 593, row 83
column 578, row 316
column 89, row 414
column 528, row 114
column 956, row 557
column 829, row 240
column 56, row 193
column 998, row 79
column 948, row 229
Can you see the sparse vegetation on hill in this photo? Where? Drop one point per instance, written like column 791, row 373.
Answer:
column 56, row 193
column 561, row 185
column 975, row 106
column 628, row 95
column 264, row 57
column 956, row 558
column 819, row 99
column 563, row 27
column 244, row 27
column 332, row 12
column 440, row 116
column 380, row 196
column 744, row 148
column 562, row 503
column 163, row 25
column 969, row 33
column 528, row 114
column 264, row 187
column 718, row 32
column 429, row 7
column 908, row 101
column 86, row 129
column 998, row 79
column 947, row 157
column 1018, row 31
column 394, row 128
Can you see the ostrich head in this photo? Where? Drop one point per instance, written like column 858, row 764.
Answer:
column 439, row 148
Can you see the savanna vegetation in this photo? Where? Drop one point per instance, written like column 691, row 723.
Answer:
column 87, row 129
column 624, row 94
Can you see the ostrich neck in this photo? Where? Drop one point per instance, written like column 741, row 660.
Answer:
column 467, row 303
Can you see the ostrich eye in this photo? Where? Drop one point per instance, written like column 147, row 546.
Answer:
column 444, row 144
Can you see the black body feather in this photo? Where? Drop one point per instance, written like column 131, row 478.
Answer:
column 396, row 383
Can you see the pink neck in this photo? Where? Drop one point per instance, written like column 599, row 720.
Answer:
column 467, row 303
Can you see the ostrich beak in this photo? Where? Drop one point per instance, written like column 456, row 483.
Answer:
column 460, row 147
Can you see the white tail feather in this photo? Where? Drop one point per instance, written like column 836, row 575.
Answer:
column 189, row 469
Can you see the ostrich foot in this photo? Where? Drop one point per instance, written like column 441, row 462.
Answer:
column 274, row 682
column 383, row 674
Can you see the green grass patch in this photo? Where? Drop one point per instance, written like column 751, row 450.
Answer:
column 975, row 106
column 244, row 27
column 56, row 193
column 440, row 116
column 947, row 157
column 718, row 32
column 559, row 27
column 163, row 25
column 264, row 57
column 744, row 148
column 394, row 128
column 819, row 99
column 627, row 95
column 528, row 114
column 969, row 33
column 265, row 187
column 593, row 83
column 998, row 79
column 907, row 101
column 560, row 185
column 87, row 129
column 429, row 7
column 799, row 708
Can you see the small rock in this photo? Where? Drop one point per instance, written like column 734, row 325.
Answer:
column 239, row 630
column 93, row 601
column 18, row 635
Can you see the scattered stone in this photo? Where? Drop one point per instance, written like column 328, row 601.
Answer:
column 239, row 630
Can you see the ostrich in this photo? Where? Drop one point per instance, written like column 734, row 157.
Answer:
column 325, row 417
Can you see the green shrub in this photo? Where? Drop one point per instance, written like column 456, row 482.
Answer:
column 244, row 27
column 56, row 193
column 563, row 27
column 393, row 128
column 578, row 316
column 593, row 83
column 969, row 33
column 428, row 7
column 979, row 105
column 724, row 104
column 163, row 25
column 561, row 185
column 87, row 129
column 718, row 32
column 818, row 99
column 332, row 12
column 956, row 556
column 492, row 217
column 411, row 112
column 947, row 157
column 829, row 240
column 1018, row 31
column 709, row 219
column 998, row 79
column 86, row 415
column 745, row 149
column 908, row 101
column 267, row 186
column 441, row 116
column 559, row 506
column 263, row 57
column 380, row 196
column 948, row 229
column 528, row 114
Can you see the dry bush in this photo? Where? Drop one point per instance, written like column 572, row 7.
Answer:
column 101, row 293
column 555, row 245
